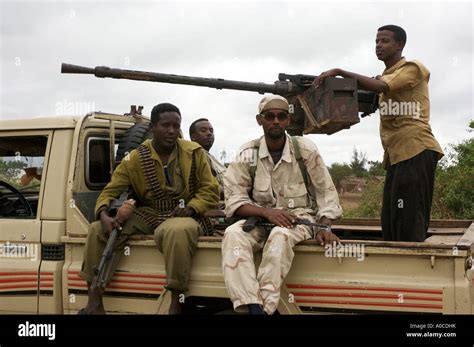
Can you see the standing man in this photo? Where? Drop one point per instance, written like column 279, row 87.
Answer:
column 411, row 150
column 268, row 180
column 202, row 132
column 174, row 187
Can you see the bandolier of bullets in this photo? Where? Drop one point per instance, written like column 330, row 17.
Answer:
column 156, row 210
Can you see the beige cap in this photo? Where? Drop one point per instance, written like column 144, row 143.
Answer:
column 273, row 101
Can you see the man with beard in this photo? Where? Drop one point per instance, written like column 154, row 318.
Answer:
column 202, row 132
column 277, row 178
column 174, row 187
column 411, row 150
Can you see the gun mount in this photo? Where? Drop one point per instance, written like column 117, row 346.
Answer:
column 325, row 110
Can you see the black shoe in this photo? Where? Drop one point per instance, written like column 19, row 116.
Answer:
column 256, row 309
column 83, row 312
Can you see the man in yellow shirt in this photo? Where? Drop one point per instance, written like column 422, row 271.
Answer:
column 411, row 150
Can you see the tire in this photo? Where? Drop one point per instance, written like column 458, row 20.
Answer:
column 133, row 137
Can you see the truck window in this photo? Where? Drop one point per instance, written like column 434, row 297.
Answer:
column 21, row 175
column 97, row 169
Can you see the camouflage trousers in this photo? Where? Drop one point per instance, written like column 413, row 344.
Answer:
column 248, row 285
column 176, row 238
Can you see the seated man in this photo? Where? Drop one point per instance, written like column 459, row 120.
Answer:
column 270, row 180
column 202, row 132
column 174, row 187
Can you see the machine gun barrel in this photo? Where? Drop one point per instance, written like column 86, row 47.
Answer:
column 279, row 87
column 333, row 106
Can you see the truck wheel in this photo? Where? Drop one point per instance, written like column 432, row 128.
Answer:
column 133, row 137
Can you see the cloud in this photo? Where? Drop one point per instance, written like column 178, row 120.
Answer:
column 242, row 41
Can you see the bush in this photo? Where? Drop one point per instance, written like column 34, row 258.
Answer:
column 453, row 196
column 338, row 172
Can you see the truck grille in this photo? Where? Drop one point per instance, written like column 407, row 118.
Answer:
column 52, row 252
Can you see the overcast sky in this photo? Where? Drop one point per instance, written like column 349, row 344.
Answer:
column 248, row 41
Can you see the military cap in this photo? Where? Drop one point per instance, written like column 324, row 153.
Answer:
column 273, row 101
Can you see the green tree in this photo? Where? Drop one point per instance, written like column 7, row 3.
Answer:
column 376, row 168
column 454, row 189
column 11, row 170
column 338, row 172
column 358, row 163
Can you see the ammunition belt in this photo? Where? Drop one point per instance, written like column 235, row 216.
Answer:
column 193, row 179
column 164, row 205
column 161, row 205
column 152, row 217
column 149, row 171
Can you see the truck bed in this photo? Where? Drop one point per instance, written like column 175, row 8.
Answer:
column 434, row 276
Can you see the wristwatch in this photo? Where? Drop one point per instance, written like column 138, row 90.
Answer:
column 325, row 228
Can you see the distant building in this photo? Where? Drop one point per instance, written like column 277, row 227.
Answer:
column 357, row 185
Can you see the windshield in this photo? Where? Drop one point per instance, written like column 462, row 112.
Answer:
column 21, row 171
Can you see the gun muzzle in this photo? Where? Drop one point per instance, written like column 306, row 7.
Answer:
column 69, row 68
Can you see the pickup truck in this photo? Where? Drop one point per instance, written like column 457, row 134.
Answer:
column 52, row 171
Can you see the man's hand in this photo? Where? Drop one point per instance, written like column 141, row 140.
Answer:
column 125, row 211
column 363, row 82
column 183, row 212
column 318, row 81
column 280, row 218
column 326, row 237
column 107, row 222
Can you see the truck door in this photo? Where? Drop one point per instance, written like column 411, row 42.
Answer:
column 23, row 169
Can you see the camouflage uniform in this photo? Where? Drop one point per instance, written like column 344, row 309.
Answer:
column 275, row 186
column 218, row 171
